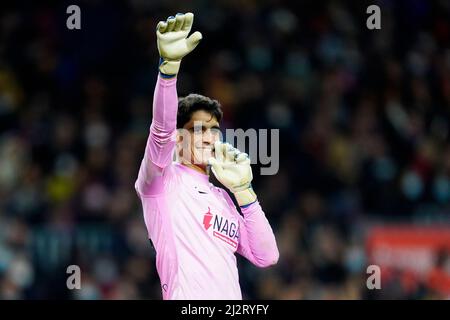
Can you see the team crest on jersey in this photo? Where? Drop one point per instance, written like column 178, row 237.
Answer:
column 223, row 228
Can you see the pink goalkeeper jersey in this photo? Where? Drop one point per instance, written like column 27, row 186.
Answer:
column 193, row 225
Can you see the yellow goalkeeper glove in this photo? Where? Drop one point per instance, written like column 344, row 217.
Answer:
column 232, row 168
column 173, row 43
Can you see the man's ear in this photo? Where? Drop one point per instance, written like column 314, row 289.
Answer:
column 179, row 136
column 178, row 146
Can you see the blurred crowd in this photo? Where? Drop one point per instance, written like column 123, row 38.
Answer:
column 364, row 119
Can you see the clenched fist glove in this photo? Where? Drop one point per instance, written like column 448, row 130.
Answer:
column 232, row 168
column 173, row 43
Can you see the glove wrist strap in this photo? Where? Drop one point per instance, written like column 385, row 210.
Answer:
column 245, row 197
column 169, row 69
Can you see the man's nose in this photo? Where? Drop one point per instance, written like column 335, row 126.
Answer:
column 208, row 136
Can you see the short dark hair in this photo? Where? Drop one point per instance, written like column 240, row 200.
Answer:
column 194, row 102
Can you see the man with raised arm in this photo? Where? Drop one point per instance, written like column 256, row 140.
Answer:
column 194, row 226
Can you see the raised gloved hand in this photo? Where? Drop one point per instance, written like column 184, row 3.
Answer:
column 232, row 168
column 173, row 43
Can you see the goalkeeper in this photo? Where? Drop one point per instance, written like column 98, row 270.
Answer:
column 194, row 226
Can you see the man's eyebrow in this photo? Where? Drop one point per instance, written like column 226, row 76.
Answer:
column 203, row 127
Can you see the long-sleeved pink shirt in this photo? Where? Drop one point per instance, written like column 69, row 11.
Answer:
column 193, row 225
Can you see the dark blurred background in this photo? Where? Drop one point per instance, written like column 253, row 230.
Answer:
column 364, row 142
